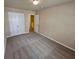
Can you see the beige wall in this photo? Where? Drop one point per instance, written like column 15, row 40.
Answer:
column 58, row 23
column 6, row 20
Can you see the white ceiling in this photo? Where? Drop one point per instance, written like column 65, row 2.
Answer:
column 28, row 5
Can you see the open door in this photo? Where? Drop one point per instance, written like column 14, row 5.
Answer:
column 36, row 23
column 31, row 23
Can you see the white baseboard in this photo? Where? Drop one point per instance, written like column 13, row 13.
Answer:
column 58, row 42
column 16, row 35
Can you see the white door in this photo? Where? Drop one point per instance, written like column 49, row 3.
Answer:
column 36, row 23
column 16, row 23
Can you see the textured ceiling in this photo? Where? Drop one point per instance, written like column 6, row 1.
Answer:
column 28, row 5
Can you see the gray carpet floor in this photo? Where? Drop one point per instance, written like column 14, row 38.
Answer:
column 35, row 46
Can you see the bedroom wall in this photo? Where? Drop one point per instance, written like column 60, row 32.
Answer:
column 58, row 23
column 6, row 20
